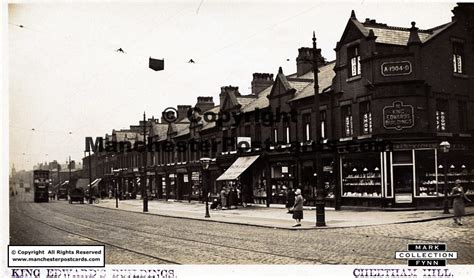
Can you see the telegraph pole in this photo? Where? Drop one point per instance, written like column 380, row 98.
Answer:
column 90, row 177
column 69, row 166
column 144, row 183
column 320, row 196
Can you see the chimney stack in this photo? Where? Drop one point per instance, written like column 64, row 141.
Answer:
column 225, row 90
column 304, row 61
column 205, row 103
column 261, row 81
column 183, row 111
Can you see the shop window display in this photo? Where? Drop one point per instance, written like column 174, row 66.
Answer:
column 426, row 183
column 460, row 167
column 361, row 175
column 196, row 181
column 282, row 178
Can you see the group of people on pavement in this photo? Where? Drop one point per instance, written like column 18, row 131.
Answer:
column 229, row 197
column 294, row 204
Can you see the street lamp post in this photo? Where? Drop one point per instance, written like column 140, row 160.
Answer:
column 90, row 178
column 117, row 174
column 144, row 181
column 320, row 210
column 205, row 163
column 445, row 148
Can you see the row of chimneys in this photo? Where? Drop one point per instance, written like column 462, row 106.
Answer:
column 260, row 82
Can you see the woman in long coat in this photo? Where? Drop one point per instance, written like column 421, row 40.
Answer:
column 298, row 208
column 290, row 199
column 458, row 201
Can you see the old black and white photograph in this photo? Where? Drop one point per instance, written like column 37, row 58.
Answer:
column 273, row 133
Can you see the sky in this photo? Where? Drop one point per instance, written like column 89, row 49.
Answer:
column 67, row 82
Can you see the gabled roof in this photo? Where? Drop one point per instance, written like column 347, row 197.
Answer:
column 395, row 35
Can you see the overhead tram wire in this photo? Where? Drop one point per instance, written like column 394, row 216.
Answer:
column 239, row 41
column 201, row 60
column 204, row 59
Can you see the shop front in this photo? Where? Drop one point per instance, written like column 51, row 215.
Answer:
column 308, row 180
column 404, row 178
column 238, row 180
column 196, row 185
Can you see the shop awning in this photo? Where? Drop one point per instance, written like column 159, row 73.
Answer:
column 95, row 183
column 237, row 168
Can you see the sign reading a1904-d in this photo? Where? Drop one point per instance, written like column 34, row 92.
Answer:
column 396, row 68
column 398, row 116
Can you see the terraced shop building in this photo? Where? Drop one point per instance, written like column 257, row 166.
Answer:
column 387, row 102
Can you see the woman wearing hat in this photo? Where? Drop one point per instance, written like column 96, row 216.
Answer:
column 458, row 202
column 298, row 208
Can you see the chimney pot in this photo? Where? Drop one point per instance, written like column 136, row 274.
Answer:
column 261, row 81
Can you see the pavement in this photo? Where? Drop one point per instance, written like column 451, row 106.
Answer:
column 276, row 216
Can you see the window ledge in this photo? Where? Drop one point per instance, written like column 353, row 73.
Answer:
column 449, row 134
column 354, row 78
column 366, row 136
column 464, row 135
column 345, row 139
column 460, row 75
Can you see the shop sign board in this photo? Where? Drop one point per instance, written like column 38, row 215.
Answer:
column 398, row 116
column 396, row 68
column 403, row 198
column 195, row 176
column 327, row 168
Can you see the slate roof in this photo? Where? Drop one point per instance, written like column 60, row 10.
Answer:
column 210, row 124
column 160, row 130
column 125, row 135
column 245, row 100
column 306, row 88
column 260, row 102
column 397, row 35
column 182, row 128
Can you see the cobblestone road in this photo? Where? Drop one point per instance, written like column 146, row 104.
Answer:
column 134, row 238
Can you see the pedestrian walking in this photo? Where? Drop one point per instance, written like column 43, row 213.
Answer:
column 290, row 199
column 458, row 202
column 298, row 208
column 223, row 196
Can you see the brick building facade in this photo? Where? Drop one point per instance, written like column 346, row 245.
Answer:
column 386, row 103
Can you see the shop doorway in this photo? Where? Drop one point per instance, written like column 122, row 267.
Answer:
column 403, row 176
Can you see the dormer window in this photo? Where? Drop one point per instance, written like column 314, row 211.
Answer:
column 354, row 61
column 458, row 57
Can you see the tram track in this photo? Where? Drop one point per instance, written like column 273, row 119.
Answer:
column 167, row 261
column 153, row 235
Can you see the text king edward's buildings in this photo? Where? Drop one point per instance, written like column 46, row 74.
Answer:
column 390, row 104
